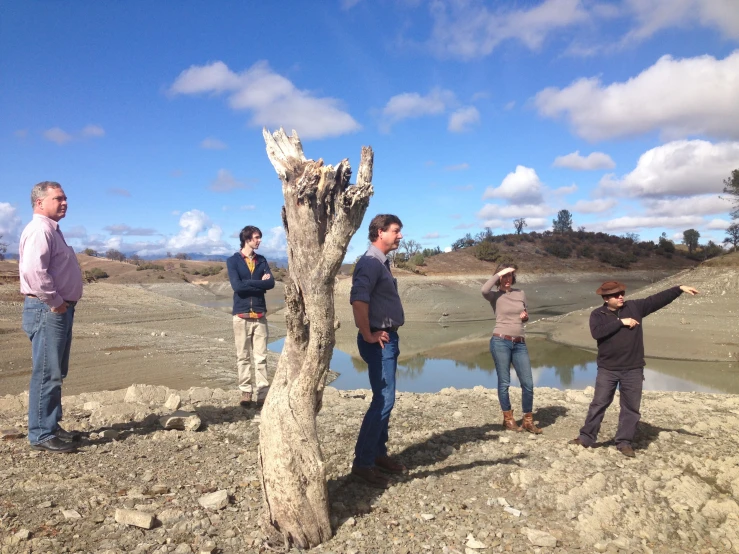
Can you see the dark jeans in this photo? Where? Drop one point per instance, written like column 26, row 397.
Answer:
column 505, row 353
column 630, row 384
column 51, row 342
column 382, row 364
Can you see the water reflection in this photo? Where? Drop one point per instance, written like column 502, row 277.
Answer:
column 553, row 365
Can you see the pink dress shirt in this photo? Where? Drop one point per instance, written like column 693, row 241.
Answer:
column 47, row 265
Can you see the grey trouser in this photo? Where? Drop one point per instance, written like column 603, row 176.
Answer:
column 251, row 337
column 630, row 384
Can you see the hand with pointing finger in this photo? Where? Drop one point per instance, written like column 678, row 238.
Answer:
column 629, row 322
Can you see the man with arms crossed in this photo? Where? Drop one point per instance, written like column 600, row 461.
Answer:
column 51, row 280
column 616, row 325
column 377, row 314
column 250, row 278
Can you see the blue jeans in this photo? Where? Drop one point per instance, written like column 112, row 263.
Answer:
column 504, row 352
column 51, row 341
column 382, row 364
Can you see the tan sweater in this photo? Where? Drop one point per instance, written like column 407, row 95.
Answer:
column 507, row 307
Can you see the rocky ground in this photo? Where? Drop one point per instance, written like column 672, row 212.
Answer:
column 472, row 487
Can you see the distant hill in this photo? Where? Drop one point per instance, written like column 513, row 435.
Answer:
column 561, row 253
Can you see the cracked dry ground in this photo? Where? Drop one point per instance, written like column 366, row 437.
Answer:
column 471, row 487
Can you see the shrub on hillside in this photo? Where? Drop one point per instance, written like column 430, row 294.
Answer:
column 615, row 258
column 155, row 267
column 586, row 251
column 487, row 252
column 558, row 248
column 418, row 259
column 94, row 274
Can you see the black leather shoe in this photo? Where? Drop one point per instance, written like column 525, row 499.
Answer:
column 65, row 435
column 55, row 444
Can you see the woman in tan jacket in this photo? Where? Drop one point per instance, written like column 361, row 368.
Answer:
column 508, row 345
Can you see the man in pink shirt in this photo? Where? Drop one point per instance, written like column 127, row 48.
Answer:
column 51, row 280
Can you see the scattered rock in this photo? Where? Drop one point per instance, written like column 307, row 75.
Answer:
column 184, row 421
column 540, row 538
column 71, row 514
column 135, row 518
column 214, row 501
column 173, row 402
column 473, row 543
column 10, row 434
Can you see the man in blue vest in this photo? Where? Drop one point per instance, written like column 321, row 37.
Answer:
column 250, row 278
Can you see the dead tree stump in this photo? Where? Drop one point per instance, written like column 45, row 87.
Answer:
column 322, row 212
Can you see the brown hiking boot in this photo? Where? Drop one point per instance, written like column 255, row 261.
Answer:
column 388, row 465
column 370, row 476
column 245, row 399
column 578, row 442
column 528, row 424
column 627, row 451
column 509, row 423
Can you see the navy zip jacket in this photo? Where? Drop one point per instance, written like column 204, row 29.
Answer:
column 249, row 288
column 621, row 348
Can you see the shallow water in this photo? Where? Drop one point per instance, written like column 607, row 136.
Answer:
column 553, row 365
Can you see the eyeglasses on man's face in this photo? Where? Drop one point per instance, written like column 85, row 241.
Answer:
column 616, row 294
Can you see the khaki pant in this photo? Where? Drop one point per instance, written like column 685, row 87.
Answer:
column 251, row 337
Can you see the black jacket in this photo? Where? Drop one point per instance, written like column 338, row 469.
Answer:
column 619, row 347
column 249, row 288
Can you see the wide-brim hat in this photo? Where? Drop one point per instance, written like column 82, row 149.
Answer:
column 610, row 287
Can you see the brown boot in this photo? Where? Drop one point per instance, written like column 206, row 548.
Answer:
column 509, row 423
column 529, row 425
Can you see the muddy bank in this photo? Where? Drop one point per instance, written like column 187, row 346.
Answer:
column 472, row 487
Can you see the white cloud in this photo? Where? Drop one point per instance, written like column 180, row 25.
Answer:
column 272, row 99
column 123, row 229
column 457, row 167
column 57, row 135
column 569, row 189
column 594, row 160
column 537, row 223
column 468, row 29
column 211, row 143
column 493, row 223
column 198, row 234
column 463, row 119
column 433, row 235
column 119, row 192
column 718, row 224
column 680, row 168
column 225, row 182
column 632, row 223
column 594, row 206
column 411, row 105
column 521, row 186
column 274, row 244
column 678, row 97
column 10, row 226
column 654, row 15
column 93, row 131
column 496, row 211
column 708, row 204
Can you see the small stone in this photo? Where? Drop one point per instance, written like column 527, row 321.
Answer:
column 135, row 518
column 71, row 514
column 181, row 420
column 350, row 521
column 502, row 502
column 10, row 434
column 173, row 402
column 513, row 511
column 473, row 543
column 215, row 500
column 428, row 517
column 207, row 548
column 92, row 405
column 162, row 334
column 46, row 504
column 159, row 489
column 504, row 440
column 540, row 538
column 457, row 415
column 112, row 434
column 23, row 535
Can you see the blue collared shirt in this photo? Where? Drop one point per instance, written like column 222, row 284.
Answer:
column 374, row 284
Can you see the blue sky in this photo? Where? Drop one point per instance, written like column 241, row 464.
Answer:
column 150, row 114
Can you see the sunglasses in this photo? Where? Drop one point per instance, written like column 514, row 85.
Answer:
column 616, row 294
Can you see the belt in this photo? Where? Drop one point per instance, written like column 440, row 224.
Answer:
column 393, row 329
column 69, row 302
column 510, row 338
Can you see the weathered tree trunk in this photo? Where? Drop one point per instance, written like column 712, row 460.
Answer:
column 322, row 212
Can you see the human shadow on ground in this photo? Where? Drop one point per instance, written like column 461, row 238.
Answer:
column 646, row 433
column 435, row 449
